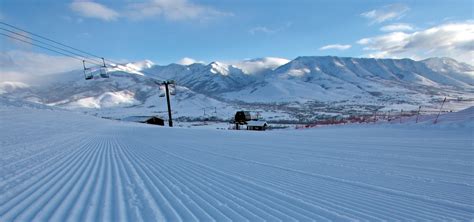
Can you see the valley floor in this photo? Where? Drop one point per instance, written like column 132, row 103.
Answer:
column 59, row 166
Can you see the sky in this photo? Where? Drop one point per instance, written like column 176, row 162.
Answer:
column 184, row 31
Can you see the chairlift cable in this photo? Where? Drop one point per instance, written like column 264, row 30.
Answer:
column 48, row 39
column 56, row 42
column 87, row 59
column 50, row 45
column 43, row 47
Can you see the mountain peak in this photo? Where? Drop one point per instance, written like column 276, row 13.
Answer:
column 440, row 59
column 447, row 65
column 145, row 64
column 219, row 68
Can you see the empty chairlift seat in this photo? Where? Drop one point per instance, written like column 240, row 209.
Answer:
column 171, row 89
column 88, row 74
column 162, row 91
column 103, row 70
column 103, row 73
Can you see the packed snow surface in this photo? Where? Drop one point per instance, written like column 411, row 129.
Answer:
column 63, row 166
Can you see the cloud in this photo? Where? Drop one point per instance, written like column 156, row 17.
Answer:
column 386, row 13
column 174, row 10
column 454, row 40
column 18, row 65
column 397, row 27
column 336, row 47
column 267, row 30
column 92, row 9
column 254, row 66
column 261, row 29
column 188, row 61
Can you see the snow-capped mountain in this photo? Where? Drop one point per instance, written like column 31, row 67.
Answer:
column 124, row 93
column 333, row 79
column 277, row 86
column 215, row 77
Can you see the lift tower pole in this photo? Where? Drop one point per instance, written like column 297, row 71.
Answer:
column 170, row 119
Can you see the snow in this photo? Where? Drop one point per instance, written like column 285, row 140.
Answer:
column 298, row 72
column 219, row 68
column 135, row 67
column 58, row 166
column 256, row 123
column 463, row 118
column 106, row 100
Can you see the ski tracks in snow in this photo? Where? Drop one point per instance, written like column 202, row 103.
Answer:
column 127, row 172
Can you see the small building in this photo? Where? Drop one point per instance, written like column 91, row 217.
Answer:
column 146, row 119
column 155, row 121
column 257, row 125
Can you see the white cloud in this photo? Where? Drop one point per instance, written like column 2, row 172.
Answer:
column 188, row 61
column 92, row 9
column 267, row 30
column 336, row 47
column 175, row 10
column 386, row 13
column 26, row 66
column 454, row 40
column 397, row 27
column 254, row 66
column 261, row 29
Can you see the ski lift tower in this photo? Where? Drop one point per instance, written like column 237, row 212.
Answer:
column 168, row 84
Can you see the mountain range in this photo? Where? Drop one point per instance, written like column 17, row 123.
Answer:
column 281, row 89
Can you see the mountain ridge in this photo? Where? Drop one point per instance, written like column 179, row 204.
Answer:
column 297, row 85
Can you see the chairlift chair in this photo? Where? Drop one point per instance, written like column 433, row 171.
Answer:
column 172, row 90
column 172, row 87
column 162, row 91
column 103, row 70
column 87, row 71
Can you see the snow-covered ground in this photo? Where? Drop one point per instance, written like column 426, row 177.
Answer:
column 58, row 165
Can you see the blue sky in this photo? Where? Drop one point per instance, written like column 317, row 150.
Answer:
column 166, row 31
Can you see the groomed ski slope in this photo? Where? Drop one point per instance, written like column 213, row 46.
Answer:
column 61, row 166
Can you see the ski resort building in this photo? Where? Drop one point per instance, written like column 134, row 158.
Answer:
column 146, row 119
column 257, row 125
